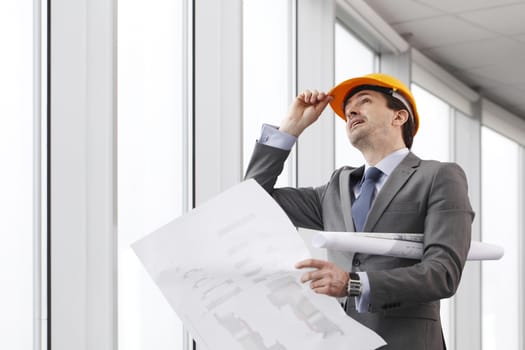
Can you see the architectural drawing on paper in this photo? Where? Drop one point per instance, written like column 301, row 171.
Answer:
column 286, row 291
column 242, row 332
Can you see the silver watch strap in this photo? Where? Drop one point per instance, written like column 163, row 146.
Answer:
column 354, row 285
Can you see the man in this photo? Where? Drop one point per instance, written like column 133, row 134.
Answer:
column 397, row 298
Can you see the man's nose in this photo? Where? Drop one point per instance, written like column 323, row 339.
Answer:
column 351, row 114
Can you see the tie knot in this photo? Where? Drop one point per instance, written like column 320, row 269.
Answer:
column 373, row 174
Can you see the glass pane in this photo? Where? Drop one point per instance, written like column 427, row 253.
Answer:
column 16, row 177
column 267, row 76
column 500, row 225
column 432, row 140
column 150, row 160
column 352, row 59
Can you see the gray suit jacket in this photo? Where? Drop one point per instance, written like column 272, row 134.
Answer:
column 419, row 196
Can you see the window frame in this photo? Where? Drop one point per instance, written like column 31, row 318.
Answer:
column 82, row 223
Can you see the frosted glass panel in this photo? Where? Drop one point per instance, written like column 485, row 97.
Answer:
column 352, row 59
column 267, row 77
column 500, row 225
column 432, row 140
column 150, row 160
column 16, row 177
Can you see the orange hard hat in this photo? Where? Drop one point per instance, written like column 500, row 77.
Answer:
column 384, row 82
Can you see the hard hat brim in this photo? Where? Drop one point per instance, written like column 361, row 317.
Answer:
column 341, row 91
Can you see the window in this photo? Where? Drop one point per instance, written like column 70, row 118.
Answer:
column 20, row 179
column 432, row 141
column 267, row 72
column 500, row 225
column 352, row 59
column 151, row 155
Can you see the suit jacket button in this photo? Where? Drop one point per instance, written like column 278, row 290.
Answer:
column 356, row 262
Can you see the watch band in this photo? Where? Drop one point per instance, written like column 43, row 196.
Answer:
column 354, row 285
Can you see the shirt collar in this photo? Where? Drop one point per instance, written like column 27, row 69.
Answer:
column 390, row 162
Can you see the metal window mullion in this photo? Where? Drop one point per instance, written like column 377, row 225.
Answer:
column 467, row 305
column 187, row 125
column 37, row 176
column 216, row 99
column 217, row 96
column 315, row 53
column 521, row 240
column 292, row 81
column 82, row 168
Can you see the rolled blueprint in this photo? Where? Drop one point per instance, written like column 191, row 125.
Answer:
column 401, row 245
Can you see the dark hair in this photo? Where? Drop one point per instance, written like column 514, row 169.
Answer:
column 409, row 126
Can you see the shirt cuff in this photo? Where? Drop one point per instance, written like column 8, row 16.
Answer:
column 362, row 301
column 272, row 136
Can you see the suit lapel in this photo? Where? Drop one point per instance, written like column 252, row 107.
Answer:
column 395, row 182
column 346, row 194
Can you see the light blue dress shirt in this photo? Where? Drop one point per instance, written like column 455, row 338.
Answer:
column 386, row 165
column 271, row 136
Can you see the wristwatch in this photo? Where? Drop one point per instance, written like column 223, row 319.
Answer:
column 354, row 285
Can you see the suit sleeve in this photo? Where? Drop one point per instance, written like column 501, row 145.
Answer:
column 302, row 205
column 447, row 232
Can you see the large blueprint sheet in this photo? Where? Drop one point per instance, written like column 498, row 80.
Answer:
column 227, row 269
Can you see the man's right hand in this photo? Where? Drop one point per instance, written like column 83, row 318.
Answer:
column 305, row 110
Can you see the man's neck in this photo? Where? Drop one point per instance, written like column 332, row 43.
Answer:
column 374, row 155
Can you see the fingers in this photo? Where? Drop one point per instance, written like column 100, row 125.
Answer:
column 312, row 263
column 312, row 276
column 304, row 111
column 313, row 96
column 315, row 263
column 319, row 287
column 327, row 278
column 333, row 288
column 326, row 282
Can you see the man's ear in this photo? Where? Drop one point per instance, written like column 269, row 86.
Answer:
column 400, row 117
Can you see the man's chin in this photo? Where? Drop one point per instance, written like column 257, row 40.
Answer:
column 354, row 136
column 359, row 139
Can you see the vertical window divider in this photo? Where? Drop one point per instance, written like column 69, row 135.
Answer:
column 188, row 126
column 521, row 238
column 315, row 53
column 187, row 104
column 293, row 179
column 82, row 265
column 37, row 175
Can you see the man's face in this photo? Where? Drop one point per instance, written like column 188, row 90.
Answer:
column 368, row 117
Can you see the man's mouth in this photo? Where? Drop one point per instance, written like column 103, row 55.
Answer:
column 356, row 122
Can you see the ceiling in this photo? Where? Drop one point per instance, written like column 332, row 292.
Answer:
column 481, row 42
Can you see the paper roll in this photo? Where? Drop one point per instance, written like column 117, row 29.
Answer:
column 391, row 245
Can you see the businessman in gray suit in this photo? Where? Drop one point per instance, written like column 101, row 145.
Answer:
column 394, row 191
